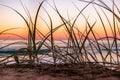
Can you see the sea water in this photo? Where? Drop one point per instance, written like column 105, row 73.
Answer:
column 10, row 46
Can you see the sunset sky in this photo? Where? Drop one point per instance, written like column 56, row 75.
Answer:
column 10, row 19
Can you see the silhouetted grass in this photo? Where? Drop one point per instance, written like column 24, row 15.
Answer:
column 80, row 50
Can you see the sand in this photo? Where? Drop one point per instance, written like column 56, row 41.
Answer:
column 32, row 74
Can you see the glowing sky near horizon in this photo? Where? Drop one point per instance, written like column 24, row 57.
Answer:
column 9, row 19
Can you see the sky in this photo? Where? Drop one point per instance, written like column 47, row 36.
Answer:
column 10, row 19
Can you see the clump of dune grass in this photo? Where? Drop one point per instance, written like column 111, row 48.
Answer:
column 77, row 49
column 32, row 46
column 114, row 27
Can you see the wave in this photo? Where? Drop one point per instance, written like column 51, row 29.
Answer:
column 43, row 51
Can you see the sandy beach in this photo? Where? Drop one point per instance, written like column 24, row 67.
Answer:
column 30, row 74
column 61, row 73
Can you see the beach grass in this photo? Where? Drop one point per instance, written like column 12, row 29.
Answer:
column 76, row 56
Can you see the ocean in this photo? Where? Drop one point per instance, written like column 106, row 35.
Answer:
column 8, row 47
